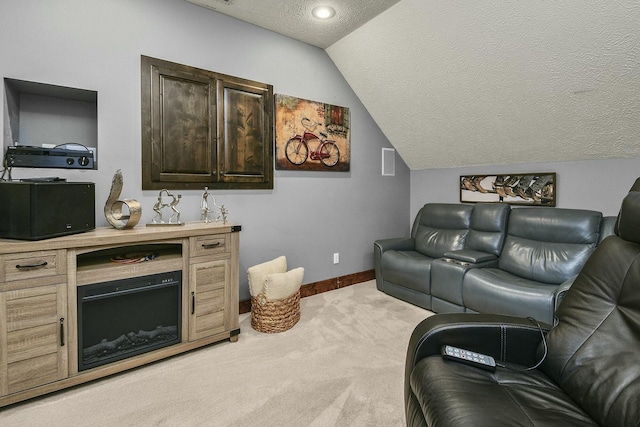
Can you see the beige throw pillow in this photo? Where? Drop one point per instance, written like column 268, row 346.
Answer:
column 282, row 285
column 258, row 273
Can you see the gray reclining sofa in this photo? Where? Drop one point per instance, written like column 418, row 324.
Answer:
column 489, row 258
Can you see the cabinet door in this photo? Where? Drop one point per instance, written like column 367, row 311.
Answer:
column 244, row 123
column 209, row 282
column 178, row 125
column 32, row 337
column 202, row 128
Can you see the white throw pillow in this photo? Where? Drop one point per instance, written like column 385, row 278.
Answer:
column 258, row 273
column 282, row 285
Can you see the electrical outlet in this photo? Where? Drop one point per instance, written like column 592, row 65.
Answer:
column 336, row 258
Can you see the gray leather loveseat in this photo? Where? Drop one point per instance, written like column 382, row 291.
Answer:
column 489, row 258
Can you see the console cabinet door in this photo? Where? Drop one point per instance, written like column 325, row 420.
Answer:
column 209, row 296
column 33, row 338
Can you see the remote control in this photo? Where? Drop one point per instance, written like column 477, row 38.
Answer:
column 469, row 357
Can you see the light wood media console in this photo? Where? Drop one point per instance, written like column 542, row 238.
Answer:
column 38, row 305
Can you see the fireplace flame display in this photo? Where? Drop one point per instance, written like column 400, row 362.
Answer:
column 109, row 312
column 129, row 342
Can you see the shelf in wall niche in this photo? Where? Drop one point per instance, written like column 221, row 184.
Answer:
column 45, row 115
column 112, row 264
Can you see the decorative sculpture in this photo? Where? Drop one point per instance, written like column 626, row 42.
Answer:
column 204, row 206
column 113, row 207
column 206, row 209
column 223, row 214
column 161, row 204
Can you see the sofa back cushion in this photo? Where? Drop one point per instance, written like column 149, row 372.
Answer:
column 488, row 227
column 594, row 348
column 549, row 245
column 441, row 227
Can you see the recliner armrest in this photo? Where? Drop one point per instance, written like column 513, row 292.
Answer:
column 396, row 244
column 505, row 338
column 383, row 245
column 561, row 291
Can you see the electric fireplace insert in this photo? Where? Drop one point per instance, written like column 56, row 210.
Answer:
column 124, row 318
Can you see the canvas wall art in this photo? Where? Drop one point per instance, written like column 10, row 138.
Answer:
column 538, row 189
column 311, row 136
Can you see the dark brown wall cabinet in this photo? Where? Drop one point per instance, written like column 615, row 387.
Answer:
column 201, row 128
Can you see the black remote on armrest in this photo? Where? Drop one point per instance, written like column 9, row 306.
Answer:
column 469, row 357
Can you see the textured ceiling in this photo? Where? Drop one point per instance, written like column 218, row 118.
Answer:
column 463, row 83
column 293, row 18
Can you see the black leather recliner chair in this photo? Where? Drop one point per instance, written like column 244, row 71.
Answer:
column 590, row 373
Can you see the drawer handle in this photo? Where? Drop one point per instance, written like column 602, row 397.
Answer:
column 210, row 245
column 28, row 266
column 193, row 302
column 62, row 332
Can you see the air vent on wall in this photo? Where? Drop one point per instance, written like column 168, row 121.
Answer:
column 388, row 162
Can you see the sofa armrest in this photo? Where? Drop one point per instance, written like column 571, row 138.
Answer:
column 470, row 256
column 561, row 291
column 383, row 245
column 507, row 339
column 396, row 244
column 608, row 227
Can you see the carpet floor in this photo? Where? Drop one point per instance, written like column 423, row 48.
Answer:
column 341, row 365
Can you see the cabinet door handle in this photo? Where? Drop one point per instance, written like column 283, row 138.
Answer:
column 210, row 245
column 62, row 332
column 27, row 266
column 193, row 302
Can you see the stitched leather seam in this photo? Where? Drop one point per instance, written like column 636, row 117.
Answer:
column 524, row 413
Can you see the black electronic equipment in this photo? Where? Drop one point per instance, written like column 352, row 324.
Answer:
column 23, row 156
column 40, row 210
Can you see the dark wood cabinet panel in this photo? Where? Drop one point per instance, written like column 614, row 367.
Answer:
column 204, row 128
column 245, row 124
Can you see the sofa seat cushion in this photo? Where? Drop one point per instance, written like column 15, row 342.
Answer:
column 408, row 268
column 453, row 394
column 491, row 290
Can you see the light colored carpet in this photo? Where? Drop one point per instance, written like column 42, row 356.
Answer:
column 341, row 365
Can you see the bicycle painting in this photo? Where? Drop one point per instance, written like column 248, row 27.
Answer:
column 311, row 135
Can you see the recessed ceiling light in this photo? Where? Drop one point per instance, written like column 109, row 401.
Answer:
column 323, row 12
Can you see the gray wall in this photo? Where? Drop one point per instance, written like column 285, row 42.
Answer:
column 597, row 184
column 96, row 45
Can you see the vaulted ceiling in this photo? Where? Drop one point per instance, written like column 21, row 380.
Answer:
column 464, row 83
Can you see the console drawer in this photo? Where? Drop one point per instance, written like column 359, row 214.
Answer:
column 30, row 265
column 210, row 244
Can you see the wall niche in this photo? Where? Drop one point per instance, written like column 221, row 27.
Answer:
column 47, row 116
column 202, row 128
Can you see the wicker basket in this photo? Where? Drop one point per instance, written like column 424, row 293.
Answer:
column 275, row 316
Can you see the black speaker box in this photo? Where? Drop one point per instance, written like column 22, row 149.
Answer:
column 40, row 210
